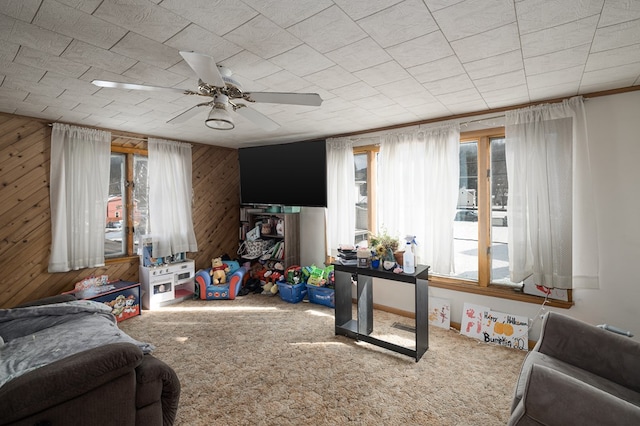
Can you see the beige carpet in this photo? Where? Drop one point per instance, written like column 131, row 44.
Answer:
column 258, row 360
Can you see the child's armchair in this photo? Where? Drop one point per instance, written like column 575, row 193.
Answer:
column 206, row 290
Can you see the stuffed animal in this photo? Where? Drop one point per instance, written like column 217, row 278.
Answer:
column 218, row 271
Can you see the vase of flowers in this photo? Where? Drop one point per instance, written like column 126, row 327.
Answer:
column 383, row 247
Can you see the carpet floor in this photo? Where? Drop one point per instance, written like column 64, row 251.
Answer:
column 258, row 360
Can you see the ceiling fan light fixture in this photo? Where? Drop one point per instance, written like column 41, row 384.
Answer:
column 219, row 117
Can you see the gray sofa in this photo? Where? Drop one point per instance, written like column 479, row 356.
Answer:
column 578, row 374
column 113, row 384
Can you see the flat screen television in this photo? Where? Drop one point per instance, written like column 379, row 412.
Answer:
column 291, row 174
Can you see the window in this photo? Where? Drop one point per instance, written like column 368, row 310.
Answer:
column 480, row 223
column 127, row 205
column 365, row 160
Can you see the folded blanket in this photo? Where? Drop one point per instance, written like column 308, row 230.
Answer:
column 38, row 335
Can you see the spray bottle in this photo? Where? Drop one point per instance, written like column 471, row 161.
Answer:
column 408, row 259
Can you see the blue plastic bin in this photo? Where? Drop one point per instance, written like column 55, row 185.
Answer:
column 292, row 293
column 321, row 295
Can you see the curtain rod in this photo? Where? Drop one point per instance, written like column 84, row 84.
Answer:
column 114, row 135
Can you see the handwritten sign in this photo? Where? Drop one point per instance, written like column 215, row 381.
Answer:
column 497, row 328
column 439, row 312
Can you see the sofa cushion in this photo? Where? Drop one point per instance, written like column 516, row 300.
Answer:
column 591, row 379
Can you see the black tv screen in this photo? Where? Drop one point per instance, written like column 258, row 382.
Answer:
column 292, row 174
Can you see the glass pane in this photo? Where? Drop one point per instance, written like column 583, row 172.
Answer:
column 499, row 225
column 140, row 200
column 362, row 205
column 114, row 241
column 465, row 225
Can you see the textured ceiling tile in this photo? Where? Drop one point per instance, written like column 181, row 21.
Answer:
column 399, row 23
column 615, row 36
column 437, row 70
column 358, row 9
column 302, row 60
column 467, row 106
column 449, row 85
column 37, row 59
column 153, row 76
column 553, row 91
column 18, row 83
column 288, row 12
column 147, row 19
column 78, row 87
column 565, row 76
column 32, row 36
column 20, row 70
column 504, row 96
column 197, row 39
column 283, row 81
column 263, row 37
column 356, row 90
column 617, row 11
column 250, row 66
column 405, row 88
column 613, row 58
column 220, row 16
column 559, row 38
column 12, row 94
column 428, row 48
column 472, row 17
column 87, row 6
column 332, row 78
column 8, row 51
column 328, row 30
column 464, row 95
column 88, row 54
column 362, row 54
column 609, row 78
column 434, row 5
column 76, row 24
column 491, row 43
column 146, row 50
column 36, row 99
column 20, row 9
column 536, row 15
column 382, row 74
column 495, row 65
column 569, row 58
column 95, row 101
column 502, row 81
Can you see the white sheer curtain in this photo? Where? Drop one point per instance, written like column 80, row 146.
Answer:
column 552, row 225
column 341, row 198
column 418, row 178
column 170, row 198
column 79, row 186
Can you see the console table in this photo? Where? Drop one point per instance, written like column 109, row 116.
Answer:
column 361, row 327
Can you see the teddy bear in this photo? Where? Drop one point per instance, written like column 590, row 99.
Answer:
column 218, row 271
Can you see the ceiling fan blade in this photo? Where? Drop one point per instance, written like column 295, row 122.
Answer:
column 205, row 68
column 258, row 118
column 184, row 116
column 310, row 99
column 131, row 86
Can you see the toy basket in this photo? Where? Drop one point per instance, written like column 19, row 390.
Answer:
column 321, row 295
column 292, row 293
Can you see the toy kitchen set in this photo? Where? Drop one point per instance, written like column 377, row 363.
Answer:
column 165, row 280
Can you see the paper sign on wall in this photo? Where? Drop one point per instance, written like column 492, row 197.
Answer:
column 439, row 312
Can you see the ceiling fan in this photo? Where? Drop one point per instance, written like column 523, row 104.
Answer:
column 216, row 82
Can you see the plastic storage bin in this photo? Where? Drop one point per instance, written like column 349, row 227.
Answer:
column 321, row 295
column 292, row 293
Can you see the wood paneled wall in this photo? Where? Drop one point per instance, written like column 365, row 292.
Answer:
column 25, row 226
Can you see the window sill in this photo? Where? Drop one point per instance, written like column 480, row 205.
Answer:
column 124, row 259
column 495, row 291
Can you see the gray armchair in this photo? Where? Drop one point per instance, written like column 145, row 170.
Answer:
column 578, row 374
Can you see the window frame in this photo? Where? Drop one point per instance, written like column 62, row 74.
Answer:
column 483, row 285
column 129, row 208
